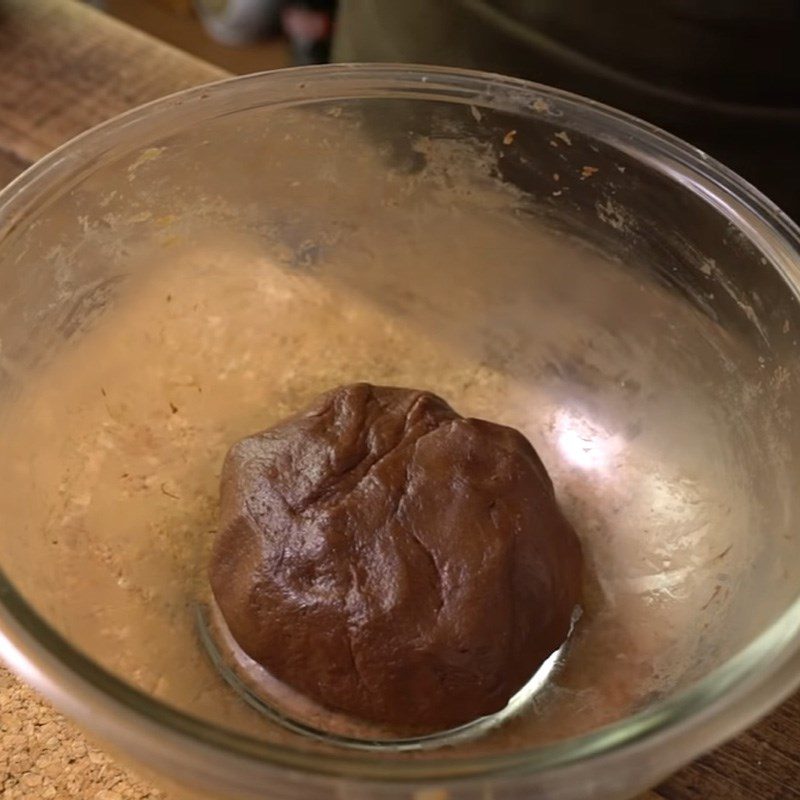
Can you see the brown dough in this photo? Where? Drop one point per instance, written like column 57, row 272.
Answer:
column 392, row 560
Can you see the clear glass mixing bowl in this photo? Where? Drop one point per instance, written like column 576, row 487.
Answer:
column 192, row 271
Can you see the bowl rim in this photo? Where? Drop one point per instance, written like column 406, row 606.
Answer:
column 716, row 705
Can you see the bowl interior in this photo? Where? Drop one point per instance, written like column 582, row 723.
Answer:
column 200, row 278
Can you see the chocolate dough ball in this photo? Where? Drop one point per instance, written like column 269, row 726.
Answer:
column 392, row 560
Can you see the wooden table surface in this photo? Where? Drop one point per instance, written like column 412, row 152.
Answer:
column 63, row 68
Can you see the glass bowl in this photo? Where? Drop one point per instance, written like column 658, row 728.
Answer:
column 195, row 269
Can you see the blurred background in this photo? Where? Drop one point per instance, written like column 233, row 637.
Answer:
column 722, row 74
